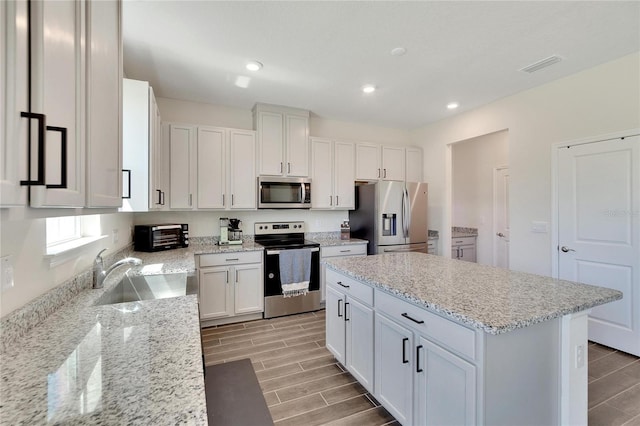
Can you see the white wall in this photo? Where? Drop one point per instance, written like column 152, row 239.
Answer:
column 473, row 163
column 25, row 240
column 597, row 101
column 206, row 224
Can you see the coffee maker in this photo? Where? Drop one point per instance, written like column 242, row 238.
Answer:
column 230, row 232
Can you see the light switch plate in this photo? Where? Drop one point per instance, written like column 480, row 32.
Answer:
column 540, row 227
column 6, row 272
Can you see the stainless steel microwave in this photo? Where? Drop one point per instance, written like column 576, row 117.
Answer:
column 284, row 193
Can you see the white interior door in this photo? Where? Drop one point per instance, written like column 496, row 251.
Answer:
column 599, row 232
column 501, row 233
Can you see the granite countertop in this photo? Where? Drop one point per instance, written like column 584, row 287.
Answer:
column 130, row 363
column 328, row 242
column 491, row 299
column 459, row 232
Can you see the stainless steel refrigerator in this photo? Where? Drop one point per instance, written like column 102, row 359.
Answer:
column 392, row 216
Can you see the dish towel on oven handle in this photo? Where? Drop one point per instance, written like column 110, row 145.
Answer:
column 295, row 271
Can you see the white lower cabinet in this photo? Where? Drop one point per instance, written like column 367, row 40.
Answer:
column 230, row 284
column 349, row 332
column 338, row 251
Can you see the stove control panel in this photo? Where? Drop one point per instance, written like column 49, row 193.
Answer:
column 261, row 228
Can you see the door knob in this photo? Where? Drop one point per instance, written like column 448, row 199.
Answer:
column 566, row 249
column 500, row 234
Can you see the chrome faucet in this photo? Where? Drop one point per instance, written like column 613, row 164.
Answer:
column 100, row 274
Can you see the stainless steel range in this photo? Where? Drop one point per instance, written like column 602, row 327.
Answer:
column 278, row 237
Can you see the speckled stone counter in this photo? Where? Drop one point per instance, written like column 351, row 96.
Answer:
column 459, row 232
column 491, row 299
column 330, row 242
column 131, row 363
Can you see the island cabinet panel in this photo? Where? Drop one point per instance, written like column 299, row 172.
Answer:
column 350, row 326
column 445, row 387
column 394, row 368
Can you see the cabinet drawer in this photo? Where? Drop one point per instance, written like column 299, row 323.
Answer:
column 455, row 337
column 231, row 258
column 350, row 287
column 463, row 241
column 347, row 250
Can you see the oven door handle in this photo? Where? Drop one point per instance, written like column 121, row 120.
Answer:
column 271, row 252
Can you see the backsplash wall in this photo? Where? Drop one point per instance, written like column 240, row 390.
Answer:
column 206, row 224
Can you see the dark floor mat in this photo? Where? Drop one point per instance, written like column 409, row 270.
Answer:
column 234, row 397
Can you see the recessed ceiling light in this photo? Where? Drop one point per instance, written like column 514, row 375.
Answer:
column 452, row 105
column 398, row 51
column 368, row 88
column 254, row 65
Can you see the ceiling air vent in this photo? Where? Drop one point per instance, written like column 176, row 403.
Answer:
column 542, row 64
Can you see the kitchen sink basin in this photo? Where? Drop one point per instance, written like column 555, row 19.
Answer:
column 148, row 287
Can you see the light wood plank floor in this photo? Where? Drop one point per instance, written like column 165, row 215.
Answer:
column 303, row 384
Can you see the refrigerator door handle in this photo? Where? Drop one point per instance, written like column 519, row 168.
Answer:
column 408, row 221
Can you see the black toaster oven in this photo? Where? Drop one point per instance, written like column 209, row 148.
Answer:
column 160, row 237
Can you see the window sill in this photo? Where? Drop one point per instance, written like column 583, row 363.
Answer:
column 62, row 253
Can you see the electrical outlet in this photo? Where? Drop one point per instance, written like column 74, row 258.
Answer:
column 114, row 236
column 6, row 272
column 579, row 356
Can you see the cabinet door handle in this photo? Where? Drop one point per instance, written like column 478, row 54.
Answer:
column 128, row 178
column 385, row 173
column 232, row 260
column 162, row 198
column 41, row 153
column 345, row 251
column 288, row 168
column 227, row 276
column 236, row 276
column 63, row 156
column 378, row 173
column 339, row 314
column 343, row 285
column 404, row 350
column 337, row 200
column 418, row 369
column 281, row 167
column 346, row 304
column 412, row 319
column 232, row 200
column 330, row 200
column 190, row 199
column 159, row 197
column 223, row 199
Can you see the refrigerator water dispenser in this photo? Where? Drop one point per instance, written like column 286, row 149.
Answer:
column 388, row 224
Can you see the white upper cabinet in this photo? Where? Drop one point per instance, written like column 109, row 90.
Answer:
column 74, row 107
column 58, row 92
column 368, row 162
column 14, row 93
column 332, row 179
column 183, row 160
column 393, row 163
column 104, row 104
column 212, row 168
column 414, row 164
column 283, row 140
column 242, row 169
column 144, row 186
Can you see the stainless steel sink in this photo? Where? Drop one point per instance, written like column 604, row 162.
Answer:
column 148, row 287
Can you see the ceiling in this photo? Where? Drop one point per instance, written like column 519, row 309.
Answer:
column 317, row 55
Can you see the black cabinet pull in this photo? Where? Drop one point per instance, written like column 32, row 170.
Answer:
column 339, row 314
column 343, row 285
column 345, row 311
column 414, row 320
column 63, row 156
column 41, row 147
column 159, row 197
column 404, row 350
column 128, row 179
column 418, row 369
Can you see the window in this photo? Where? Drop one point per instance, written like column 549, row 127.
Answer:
column 66, row 235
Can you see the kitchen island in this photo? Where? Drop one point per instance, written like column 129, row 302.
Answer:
column 440, row 341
